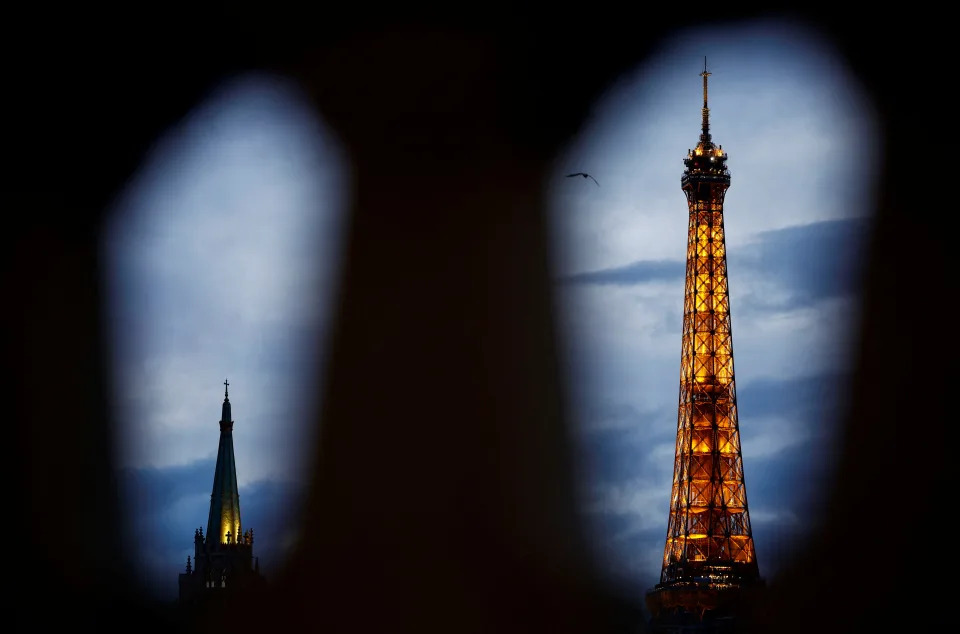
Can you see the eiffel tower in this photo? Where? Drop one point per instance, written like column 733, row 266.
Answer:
column 709, row 557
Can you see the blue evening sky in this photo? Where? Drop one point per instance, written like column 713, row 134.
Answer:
column 219, row 243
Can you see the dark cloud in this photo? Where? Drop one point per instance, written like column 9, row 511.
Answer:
column 616, row 552
column 638, row 272
column 807, row 263
column 787, row 494
column 147, row 489
column 616, row 439
column 270, row 508
column 795, row 480
column 164, row 506
column 803, row 263
column 816, row 400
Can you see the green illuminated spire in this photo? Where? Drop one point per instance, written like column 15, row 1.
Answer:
column 225, row 499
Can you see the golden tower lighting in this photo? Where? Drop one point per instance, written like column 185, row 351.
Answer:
column 709, row 554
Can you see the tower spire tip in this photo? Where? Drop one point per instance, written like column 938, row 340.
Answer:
column 705, row 137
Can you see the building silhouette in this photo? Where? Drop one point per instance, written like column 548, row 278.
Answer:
column 709, row 556
column 223, row 564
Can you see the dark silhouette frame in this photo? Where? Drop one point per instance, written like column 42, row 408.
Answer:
column 482, row 103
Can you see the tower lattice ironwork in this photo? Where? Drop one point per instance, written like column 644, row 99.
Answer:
column 709, row 556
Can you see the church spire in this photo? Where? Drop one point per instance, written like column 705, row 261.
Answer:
column 224, row 515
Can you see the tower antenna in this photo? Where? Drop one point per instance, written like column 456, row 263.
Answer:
column 705, row 135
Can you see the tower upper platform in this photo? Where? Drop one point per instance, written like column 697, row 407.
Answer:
column 707, row 162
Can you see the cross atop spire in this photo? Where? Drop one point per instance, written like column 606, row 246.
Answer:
column 226, row 420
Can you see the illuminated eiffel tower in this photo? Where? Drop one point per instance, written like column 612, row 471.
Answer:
column 709, row 557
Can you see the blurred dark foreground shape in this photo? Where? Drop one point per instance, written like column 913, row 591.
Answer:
column 443, row 500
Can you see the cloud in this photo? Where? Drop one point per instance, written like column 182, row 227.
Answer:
column 637, row 497
column 629, row 550
column 797, row 265
column 817, row 399
column 222, row 259
column 808, row 410
column 635, row 273
column 616, row 417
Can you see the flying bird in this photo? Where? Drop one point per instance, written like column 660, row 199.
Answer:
column 585, row 175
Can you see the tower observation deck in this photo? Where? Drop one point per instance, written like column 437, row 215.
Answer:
column 709, row 556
